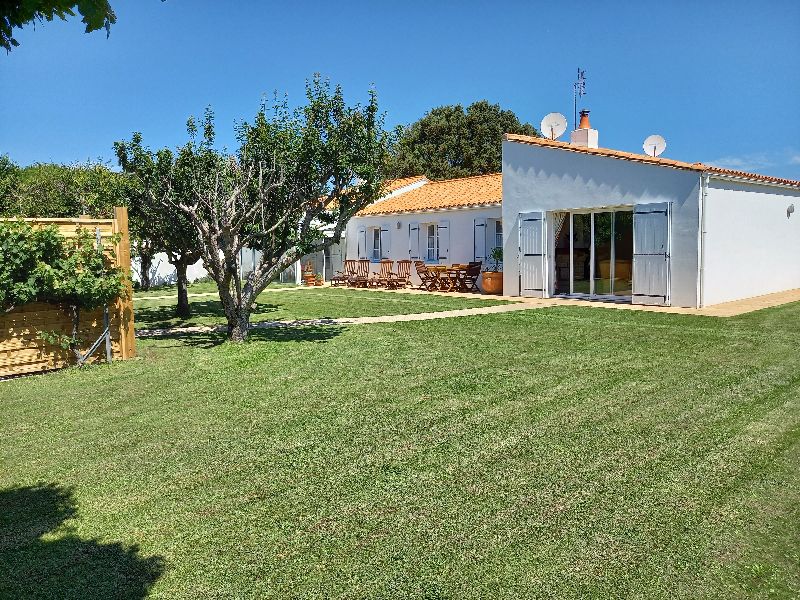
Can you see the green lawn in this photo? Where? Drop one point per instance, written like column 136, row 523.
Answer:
column 305, row 303
column 565, row 452
column 201, row 287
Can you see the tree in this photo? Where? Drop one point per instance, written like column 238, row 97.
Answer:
column 144, row 220
column 9, row 179
column 159, row 181
column 450, row 142
column 97, row 14
column 48, row 190
column 295, row 172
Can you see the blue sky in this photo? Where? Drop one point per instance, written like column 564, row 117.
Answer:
column 719, row 80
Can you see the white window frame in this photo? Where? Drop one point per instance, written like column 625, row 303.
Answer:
column 431, row 250
column 374, row 238
column 498, row 234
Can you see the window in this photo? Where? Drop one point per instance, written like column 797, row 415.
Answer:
column 376, row 243
column 498, row 234
column 432, row 236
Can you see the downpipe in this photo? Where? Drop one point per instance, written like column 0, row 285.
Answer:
column 702, row 239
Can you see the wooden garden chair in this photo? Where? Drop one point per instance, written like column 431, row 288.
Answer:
column 361, row 276
column 381, row 278
column 342, row 277
column 402, row 278
column 471, row 277
column 426, row 278
column 448, row 278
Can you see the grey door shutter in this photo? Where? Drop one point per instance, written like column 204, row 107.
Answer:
column 386, row 248
column 362, row 243
column 531, row 254
column 651, row 253
column 413, row 241
column 479, row 232
column 444, row 239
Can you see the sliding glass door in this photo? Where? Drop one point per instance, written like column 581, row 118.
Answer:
column 581, row 253
column 593, row 253
column 623, row 253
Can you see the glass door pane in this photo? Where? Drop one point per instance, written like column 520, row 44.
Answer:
column 623, row 253
column 561, row 225
column 603, row 224
column 581, row 253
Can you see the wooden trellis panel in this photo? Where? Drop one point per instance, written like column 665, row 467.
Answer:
column 22, row 351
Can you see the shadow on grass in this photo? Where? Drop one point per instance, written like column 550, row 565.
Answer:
column 293, row 333
column 163, row 316
column 68, row 567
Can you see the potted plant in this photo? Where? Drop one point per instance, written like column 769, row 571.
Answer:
column 318, row 280
column 492, row 282
column 308, row 274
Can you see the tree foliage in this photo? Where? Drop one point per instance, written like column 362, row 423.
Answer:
column 47, row 190
column 95, row 14
column 296, row 172
column 451, row 142
column 157, row 182
column 9, row 180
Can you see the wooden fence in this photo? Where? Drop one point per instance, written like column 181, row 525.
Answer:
column 22, row 350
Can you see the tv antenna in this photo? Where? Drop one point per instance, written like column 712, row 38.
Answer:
column 578, row 91
column 654, row 145
column 554, row 125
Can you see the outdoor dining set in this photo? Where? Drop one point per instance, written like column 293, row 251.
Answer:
column 444, row 278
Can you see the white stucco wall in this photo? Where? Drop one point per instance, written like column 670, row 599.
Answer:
column 164, row 272
column 751, row 246
column 461, row 227
column 545, row 179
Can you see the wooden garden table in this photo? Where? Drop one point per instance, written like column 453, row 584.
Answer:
column 457, row 274
column 439, row 273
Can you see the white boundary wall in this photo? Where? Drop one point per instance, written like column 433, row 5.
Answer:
column 163, row 272
column 751, row 244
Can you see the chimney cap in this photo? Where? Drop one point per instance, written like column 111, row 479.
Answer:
column 584, row 122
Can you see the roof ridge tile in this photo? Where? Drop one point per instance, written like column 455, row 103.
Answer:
column 644, row 158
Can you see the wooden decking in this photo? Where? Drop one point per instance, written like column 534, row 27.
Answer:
column 726, row 309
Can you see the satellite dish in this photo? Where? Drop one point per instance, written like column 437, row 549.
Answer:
column 654, row 145
column 554, row 125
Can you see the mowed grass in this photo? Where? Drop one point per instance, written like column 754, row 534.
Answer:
column 566, row 452
column 302, row 303
column 199, row 287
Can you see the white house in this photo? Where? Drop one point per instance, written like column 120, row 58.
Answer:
column 439, row 222
column 589, row 222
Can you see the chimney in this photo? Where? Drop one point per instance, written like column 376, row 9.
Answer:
column 584, row 135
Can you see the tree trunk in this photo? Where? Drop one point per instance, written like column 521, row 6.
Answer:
column 145, row 264
column 239, row 327
column 183, row 309
column 73, row 343
column 238, row 315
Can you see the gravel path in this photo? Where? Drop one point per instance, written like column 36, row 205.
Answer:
column 427, row 316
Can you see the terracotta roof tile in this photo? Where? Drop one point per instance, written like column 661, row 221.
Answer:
column 392, row 185
column 480, row 190
column 644, row 158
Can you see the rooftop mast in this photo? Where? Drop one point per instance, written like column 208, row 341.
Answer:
column 578, row 91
